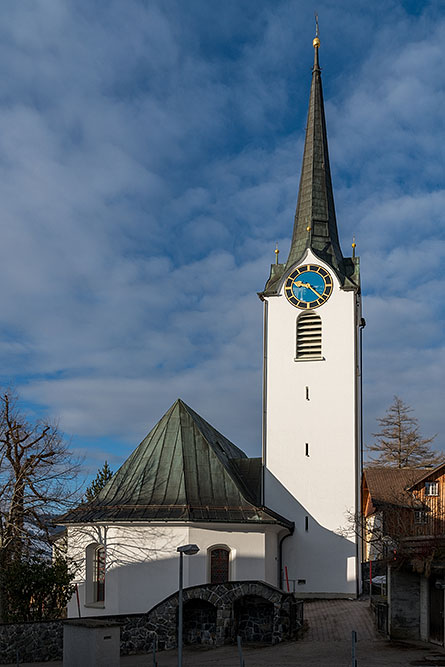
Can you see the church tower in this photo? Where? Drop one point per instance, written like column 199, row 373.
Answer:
column 311, row 429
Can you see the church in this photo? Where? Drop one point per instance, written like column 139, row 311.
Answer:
column 280, row 518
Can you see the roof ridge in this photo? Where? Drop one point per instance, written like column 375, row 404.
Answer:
column 176, row 446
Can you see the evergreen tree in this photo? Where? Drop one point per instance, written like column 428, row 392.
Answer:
column 38, row 589
column 103, row 476
column 399, row 443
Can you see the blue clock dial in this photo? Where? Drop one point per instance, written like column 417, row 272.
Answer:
column 308, row 286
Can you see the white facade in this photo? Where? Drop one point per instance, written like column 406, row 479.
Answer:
column 311, row 436
column 142, row 564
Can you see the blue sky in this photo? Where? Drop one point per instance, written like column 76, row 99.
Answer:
column 149, row 161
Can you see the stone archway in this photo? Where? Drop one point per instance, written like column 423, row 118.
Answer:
column 254, row 619
column 285, row 611
column 199, row 622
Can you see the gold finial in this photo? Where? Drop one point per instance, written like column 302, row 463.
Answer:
column 277, row 252
column 316, row 40
column 353, row 246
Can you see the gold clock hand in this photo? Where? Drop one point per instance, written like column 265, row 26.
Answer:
column 299, row 283
column 313, row 289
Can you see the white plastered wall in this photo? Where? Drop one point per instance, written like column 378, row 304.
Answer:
column 142, row 565
column 253, row 552
column 318, row 492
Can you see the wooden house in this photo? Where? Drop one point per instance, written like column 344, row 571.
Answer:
column 403, row 527
column 400, row 505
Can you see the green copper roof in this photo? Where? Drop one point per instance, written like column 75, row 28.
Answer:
column 183, row 470
column 315, row 224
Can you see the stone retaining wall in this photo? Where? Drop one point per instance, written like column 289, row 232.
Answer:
column 31, row 642
column 255, row 610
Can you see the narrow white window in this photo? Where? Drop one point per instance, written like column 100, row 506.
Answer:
column 431, row 488
column 309, row 336
column 420, row 516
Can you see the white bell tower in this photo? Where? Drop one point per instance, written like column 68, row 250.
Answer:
column 312, row 397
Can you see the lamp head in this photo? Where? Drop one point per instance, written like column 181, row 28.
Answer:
column 188, row 549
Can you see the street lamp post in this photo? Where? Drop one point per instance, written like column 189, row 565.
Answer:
column 188, row 550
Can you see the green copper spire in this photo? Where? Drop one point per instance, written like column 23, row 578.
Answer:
column 315, row 224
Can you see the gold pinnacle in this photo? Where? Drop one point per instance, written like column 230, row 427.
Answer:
column 316, row 40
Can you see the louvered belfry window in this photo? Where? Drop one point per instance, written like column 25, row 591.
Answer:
column 219, row 565
column 309, row 336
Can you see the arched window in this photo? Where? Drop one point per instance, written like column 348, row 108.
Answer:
column 309, row 336
column 95, row 574
column 219, row 565
column 99, row 573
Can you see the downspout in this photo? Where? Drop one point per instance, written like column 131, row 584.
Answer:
column 362, row 324
column 361, row 327
column 264, row 424
column 280, row 559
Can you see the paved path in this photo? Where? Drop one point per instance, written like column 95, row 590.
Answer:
column 326, row 643
column 300, row 654
column 334, row 620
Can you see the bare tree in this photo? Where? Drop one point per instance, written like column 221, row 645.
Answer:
column 382, row 527
column 37, row 475
column 399, row 443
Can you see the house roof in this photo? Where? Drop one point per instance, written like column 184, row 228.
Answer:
column 389, row 486
column 184, row 469
column 430, row 472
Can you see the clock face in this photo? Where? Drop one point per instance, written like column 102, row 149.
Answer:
column 308, row 286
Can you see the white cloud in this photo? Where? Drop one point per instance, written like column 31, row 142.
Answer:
column 147, row 169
